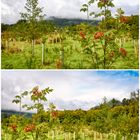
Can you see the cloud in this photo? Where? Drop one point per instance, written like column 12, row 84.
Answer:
column 10, row 9
column 72, row 89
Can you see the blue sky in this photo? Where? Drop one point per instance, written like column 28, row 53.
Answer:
column 82, row 89
column 10, row 9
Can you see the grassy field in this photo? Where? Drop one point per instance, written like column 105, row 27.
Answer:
column 73, row 136
column 19, row 56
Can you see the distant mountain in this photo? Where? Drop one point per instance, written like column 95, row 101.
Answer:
column 68, row 22
column 6, row 113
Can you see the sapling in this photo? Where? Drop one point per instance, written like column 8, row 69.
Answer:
column 104, row 39
column 18, row 99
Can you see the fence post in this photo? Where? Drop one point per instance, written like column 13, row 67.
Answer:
column 83, row 136
column 69, row 135
column 132, row 137
column 42, row 53
column 52, row 134
column 120, row 42
column 48, row 135
column 107, row 136
column 114, row 136
column 101, row 136
column 74, row 136
column 94, row 135
column 62, row 56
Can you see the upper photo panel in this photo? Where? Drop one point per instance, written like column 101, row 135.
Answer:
column 74, row 34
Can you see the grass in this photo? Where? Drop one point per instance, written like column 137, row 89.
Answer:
column 74, row 58
column 71, row 136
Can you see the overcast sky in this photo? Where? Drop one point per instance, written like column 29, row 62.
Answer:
column 72, row 89
column 10, row 9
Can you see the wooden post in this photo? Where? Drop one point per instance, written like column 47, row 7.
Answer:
column 115, row 40
column 101, row 136
column 94, row 135
column 5, row 137
column 135, row 48
column 83, row 136
column 42, row 53
column 62, row 57
column 32, row 48
column 69, row 135
column 74, row 136
column 114, row 136
column 65, row 136
column 132, row 137
column 123, row 138
column 48, row 135
column 120, row 42
column 52, row 134
column 107, row 136
column 124, row 40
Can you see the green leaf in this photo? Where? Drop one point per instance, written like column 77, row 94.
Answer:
column 85, row 5
column 24, row 106
column 92, row 13
column 100, row 5
column 91, row 2
column 83, row 10
column 16, row 101
column 24, row 93
column 18, row 97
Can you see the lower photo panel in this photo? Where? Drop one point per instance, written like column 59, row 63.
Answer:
column 70, row 105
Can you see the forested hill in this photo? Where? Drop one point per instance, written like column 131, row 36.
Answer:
column 6, row 113
column 73, row 21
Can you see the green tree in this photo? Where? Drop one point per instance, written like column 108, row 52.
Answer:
column 18, row 99
column 38, row 97
column 32, row 15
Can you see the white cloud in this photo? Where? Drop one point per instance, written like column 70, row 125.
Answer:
column 81, row 89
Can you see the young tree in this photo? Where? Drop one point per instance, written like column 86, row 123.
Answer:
column 18, row 99
column 85, row 8
column 32, row 15
column 37, row 97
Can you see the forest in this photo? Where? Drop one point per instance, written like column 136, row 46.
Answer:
column 110, row 120
column 102, row 41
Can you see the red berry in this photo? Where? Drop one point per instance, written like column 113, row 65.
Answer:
column 82, row 35
column 98, row 35
column 123, row 52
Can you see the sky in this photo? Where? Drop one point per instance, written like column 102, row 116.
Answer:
column 72, row 89
column 10, row 9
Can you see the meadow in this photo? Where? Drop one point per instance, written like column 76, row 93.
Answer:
column 67, row 54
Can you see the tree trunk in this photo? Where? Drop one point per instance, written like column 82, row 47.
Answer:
column 20, row 107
